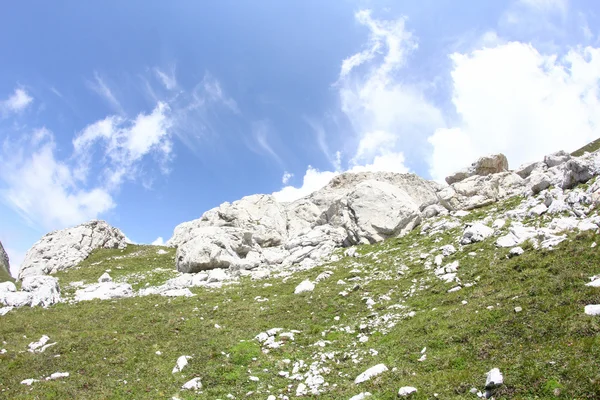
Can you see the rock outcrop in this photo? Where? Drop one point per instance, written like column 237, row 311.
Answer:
column 257, row 230
column 4, row 263
column 60, row 250
column 360, row 208
column 487, row 165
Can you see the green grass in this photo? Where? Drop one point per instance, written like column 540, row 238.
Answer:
column 5, row 276
column 590, row 147
column 550, row 346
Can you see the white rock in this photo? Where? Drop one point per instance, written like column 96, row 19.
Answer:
column 217, row 275
column 447, row 250
column 5, row 310
column 181, row 363
column 40, row 345
column 406, row 391
column 193, row 384
column 361, row 396
column 66, row 248
column 160, row 252
column 44, row 290
column 370, row 373
column 518, row 309
column 304, row 286
column 57, row 375
column 538, row 210
column 29, row 381
column 104, row 291
column 516, row 251
column 476, row 233
column 494, row 379
column 301, row 390
column 105, row 278
column 592, row 309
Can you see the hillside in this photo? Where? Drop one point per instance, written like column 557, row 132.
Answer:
column 384, row 306
column 378, row 285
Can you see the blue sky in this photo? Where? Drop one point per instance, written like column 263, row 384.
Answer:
column 148, row 113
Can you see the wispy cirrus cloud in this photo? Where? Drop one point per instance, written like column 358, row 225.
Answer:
column 99, row 86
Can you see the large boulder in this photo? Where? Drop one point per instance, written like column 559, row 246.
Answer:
column 63, row 249
column 487, row 165
column 4, row 265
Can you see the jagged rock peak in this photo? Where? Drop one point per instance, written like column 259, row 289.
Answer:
column 65, row 248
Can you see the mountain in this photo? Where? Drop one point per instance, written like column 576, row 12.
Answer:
column 4, row 265
column 376, row 286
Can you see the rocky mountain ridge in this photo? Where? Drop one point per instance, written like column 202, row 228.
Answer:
column 257, row 231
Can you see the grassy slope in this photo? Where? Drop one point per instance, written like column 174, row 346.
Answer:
column 550, row 345
column 590, row 147
column 5, row 276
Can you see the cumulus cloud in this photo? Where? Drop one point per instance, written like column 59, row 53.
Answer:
column 286, row 177
column 313, row 180
column 158, row 242
column 16, row 103
column 125, row 143
column 55, row 192
column 388, row 115
column 42, row 188
column 515, row 100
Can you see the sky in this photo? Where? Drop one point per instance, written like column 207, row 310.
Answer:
column 147, row 113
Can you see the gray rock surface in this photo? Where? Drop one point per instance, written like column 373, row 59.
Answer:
column 63, row 249
column 35, row 291
column 4, row 262
column 487, row 165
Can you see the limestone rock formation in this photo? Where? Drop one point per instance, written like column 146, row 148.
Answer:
column 4, row 263
column 60, row 250
column 487, row 165
column 258, row 230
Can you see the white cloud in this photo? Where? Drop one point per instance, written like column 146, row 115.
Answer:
column 389, row 116
column 515, row 100
column 213, row 90
column 43, row 190
column 102, row 89
column 16, row 103
column 158, row 242
column 126, row 143
column 55, row 193
column 384, row 162
column 286, row 177
column 313, row 180
column 167, row 78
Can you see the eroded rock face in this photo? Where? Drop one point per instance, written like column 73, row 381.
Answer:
column 257, row 230
column 4, row 261
column 487, row 165
column 60, row 250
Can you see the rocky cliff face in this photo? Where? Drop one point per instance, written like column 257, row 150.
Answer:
column 66, row 248
column 4, row 262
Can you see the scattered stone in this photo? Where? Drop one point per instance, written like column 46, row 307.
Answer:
column 193, row 384
column 518, row 309
column 406, row 391
column 304, row 286
column 104, row 291
column 361, row 396
column 29, row 381
column 476, row 233
column 370, row 373
column 57, row 375
column 515, row 251
column 181, row 364
column 494, row 379
column 592, row 309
